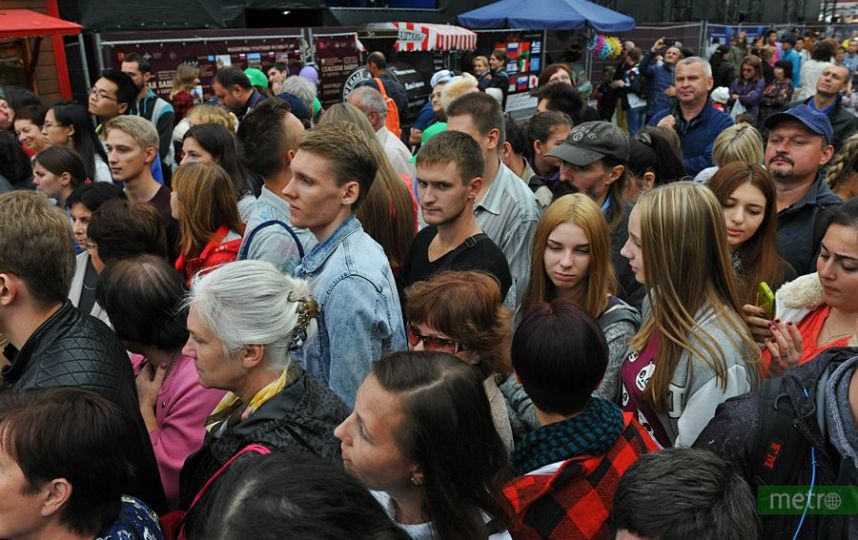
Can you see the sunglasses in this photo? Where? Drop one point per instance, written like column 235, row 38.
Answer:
column 432, row 343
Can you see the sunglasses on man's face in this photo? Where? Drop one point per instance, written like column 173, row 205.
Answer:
column 432, row 343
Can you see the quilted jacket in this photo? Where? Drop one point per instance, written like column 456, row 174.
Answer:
column 71, row 349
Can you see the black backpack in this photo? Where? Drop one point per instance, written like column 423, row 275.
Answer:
column 779, row 448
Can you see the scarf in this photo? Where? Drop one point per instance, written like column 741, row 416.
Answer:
column 231, row 410
column 592, row 432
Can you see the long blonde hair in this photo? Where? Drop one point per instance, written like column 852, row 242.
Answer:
column 688, row 266
column 184, row 78
column 387, row 213
column 580, row 210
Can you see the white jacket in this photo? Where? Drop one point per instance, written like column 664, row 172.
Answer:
column 796, row 299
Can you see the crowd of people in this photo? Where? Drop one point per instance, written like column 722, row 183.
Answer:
column 257, row 318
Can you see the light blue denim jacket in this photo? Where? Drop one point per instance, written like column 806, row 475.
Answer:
column 360, row 318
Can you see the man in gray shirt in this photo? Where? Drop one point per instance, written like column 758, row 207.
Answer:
column 506, row 209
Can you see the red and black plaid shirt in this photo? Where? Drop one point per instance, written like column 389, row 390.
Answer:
column 572, row 500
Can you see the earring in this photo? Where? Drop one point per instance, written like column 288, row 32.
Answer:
column 416, row 480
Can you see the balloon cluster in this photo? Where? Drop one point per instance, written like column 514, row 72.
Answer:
column 605, row 46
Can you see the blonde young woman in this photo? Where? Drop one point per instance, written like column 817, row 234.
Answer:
column 739, row 142
column 187, row 76
column 572, row 259
column 693, row 350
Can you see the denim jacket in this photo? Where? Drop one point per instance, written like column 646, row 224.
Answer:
column 360, row 317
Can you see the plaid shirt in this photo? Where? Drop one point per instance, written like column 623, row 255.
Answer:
column 572, row 499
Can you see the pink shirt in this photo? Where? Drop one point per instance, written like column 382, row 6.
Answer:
column 181, row 410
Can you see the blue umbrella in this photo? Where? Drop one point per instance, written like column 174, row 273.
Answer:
column 547, row 15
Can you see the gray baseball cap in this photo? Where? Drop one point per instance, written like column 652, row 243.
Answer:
column 591, row 141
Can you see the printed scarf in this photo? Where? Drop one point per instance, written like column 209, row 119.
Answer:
column 231, row 410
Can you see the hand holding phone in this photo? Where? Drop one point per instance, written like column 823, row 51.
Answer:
column 766, row 299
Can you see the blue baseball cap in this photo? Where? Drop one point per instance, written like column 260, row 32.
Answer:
column 813, row 120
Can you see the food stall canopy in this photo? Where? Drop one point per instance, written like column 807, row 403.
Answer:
column 547, row 15
column 429, row 37
column 16, row 23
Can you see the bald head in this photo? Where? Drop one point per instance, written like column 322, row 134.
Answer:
column 371, row 103
column 834, row 79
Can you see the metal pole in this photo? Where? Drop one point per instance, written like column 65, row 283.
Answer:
column 98, row 52
column 84, row 64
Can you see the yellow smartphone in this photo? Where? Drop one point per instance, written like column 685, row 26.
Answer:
column 766, row 299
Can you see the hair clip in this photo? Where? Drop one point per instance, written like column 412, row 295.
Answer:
column 308, row 309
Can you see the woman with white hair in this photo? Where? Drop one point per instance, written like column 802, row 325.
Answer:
column 245, row 319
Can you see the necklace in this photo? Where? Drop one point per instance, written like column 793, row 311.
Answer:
column 828, row 335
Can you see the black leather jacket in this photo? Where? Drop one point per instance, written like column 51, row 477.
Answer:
column 70, row 349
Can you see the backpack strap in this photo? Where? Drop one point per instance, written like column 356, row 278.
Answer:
column 380, row 86
column 779, row 447
column 242, row 255
column 255, row 448
column 616, row 312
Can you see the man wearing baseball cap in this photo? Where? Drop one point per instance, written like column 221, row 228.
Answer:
column 799, row 145
column 593, row 160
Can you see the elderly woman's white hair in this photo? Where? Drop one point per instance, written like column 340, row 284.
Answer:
column 458, row 86
column 252, row 303
column 301, row 88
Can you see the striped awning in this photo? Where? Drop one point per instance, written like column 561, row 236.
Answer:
column 429, row 37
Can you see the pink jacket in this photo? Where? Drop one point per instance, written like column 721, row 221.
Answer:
column 181, row 410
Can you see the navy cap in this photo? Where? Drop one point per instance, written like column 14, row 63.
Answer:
column 813, row 120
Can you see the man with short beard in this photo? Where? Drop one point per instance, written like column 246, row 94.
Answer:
column 799, row 145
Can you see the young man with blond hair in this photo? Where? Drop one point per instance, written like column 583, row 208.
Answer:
column 132, row 146
column 360, row 316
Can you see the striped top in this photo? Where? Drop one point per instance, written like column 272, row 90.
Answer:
column 508, row 214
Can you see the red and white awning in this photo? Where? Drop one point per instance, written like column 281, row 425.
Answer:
column 429, row 37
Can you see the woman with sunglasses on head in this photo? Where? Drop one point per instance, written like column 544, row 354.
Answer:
column 572, row 259
column 693, row 350
column 461, row 313
column 748, row 87
column 69, row 124
column 421, row 438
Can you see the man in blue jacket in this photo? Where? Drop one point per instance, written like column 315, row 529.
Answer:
column 659, row 77
column 693, row 117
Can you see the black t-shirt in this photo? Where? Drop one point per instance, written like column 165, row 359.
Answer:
column 161, row 201
column 477, row 253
